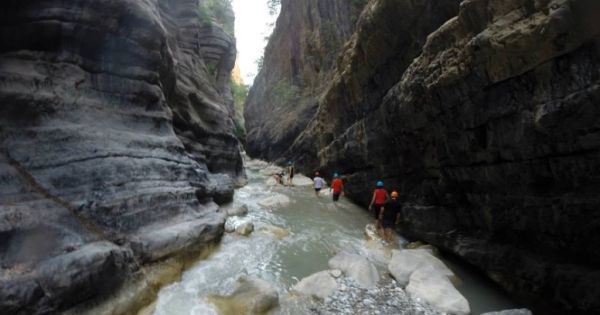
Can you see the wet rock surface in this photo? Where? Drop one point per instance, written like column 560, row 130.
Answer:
column 112, row 131
column 482, row 116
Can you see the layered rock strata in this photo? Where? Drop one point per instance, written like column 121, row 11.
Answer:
column 490, row 135
column 116, row 140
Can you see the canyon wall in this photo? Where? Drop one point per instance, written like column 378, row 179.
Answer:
column 298, row 63
column 484, row 117
column 116, row 143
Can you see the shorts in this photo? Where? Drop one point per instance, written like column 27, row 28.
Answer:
column 336, row 196
column 388, row 224
column 376, row 209
column 317, row 189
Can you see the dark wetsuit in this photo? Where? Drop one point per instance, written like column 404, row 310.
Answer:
column 392, row 208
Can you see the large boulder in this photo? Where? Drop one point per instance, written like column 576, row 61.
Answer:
column 252, row 296
column 321, row 284
column 405, row 262
column 357, row 268
column 301, row 180
column 434, row 288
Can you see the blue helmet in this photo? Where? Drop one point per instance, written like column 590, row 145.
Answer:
column 290, row 162
column 336, row 175
column 379, row 184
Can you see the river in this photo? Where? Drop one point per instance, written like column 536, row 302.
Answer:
column 318, row 229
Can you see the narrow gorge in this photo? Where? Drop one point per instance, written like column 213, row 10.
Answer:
column 132, row 183
column 483, row 114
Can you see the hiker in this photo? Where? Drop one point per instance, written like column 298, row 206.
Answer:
column 290, row 170
column 390, row 215
column 337, row 186
column 279, row 177
column 380, row 195
column 319, row 182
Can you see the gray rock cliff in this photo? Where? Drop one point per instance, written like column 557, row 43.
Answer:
column 116, row 143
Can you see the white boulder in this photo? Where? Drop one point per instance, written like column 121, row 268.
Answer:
column 436, row 289
column 321, row 284
column 405, row 262
column 277, row 200
column 356, row 267
column 244, row 229
column 301, row 180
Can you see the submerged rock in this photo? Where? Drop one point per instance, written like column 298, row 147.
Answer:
column 405, row 262
column 252, row 296
column 356, row 267
column 279, row 233
column 321, row 285
column 275, row 201
column 238, row 211
column 431, row 286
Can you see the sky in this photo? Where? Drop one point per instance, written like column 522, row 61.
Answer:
column 251, row 27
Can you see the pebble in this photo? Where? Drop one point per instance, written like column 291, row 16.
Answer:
column 387, row 298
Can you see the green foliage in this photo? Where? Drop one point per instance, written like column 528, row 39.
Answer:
column 260, row 62
column 274, row 6
column 240, row 93
column 212, row 69
column 215, row 11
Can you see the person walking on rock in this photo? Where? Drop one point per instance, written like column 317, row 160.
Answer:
column 290, row 170
column 337, row 186
column 380, row 195
column 389, row 216
column 319, row 183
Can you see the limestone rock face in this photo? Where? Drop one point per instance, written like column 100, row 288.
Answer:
column 114, row 127
column 484, row 117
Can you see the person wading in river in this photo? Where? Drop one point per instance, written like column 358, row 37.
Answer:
column 389, row 216
column 319, row 183
column 380, row 195
column 337, row 186
column 290, row 170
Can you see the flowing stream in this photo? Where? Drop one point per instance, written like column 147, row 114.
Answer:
column 318, row 230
